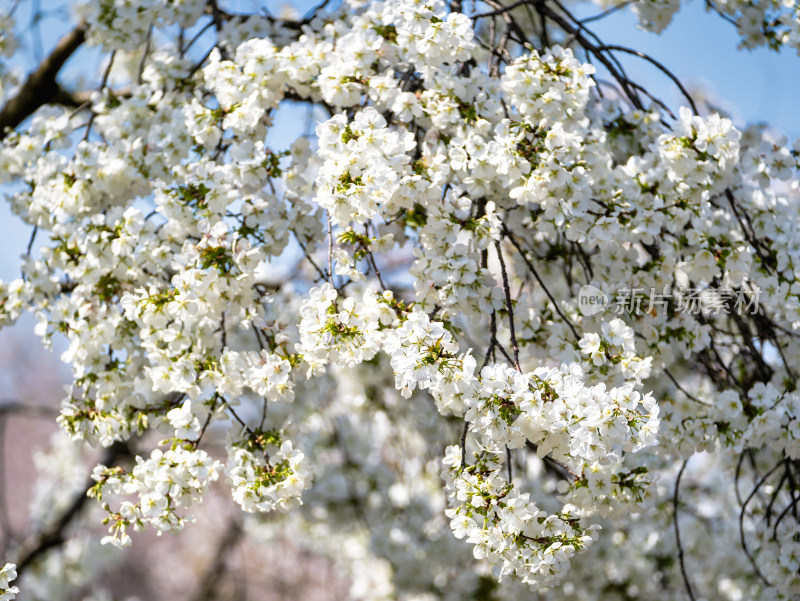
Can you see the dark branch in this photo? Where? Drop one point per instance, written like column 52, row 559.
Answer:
column 675, row 503
column 55, row 534
column 41, row 86
column 208, row 588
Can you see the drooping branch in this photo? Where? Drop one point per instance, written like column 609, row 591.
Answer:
column 507, row 233
column 41, row 87
column 661, row 67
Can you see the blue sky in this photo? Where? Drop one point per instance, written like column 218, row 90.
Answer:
column 699, row 47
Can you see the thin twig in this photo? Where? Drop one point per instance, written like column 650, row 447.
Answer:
column 742, row 538
column 499, row 11
column 464, row 445
column 686, row 582
column 658, row 65
column 535, row 274
column 606, row 13
column 509, row 306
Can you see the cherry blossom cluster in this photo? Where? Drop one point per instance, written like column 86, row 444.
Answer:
column 505, row 527
column 364, row 165
column 165, row 483
column 267, row 473
column 347, row 335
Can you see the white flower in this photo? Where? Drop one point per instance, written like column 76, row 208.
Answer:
column 7, row 574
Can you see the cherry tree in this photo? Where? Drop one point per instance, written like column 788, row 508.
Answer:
column 496, row 322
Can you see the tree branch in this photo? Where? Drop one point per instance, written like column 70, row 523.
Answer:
column 54, row 535
column 210, row 580
column 41, row 87
column 675, row 502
